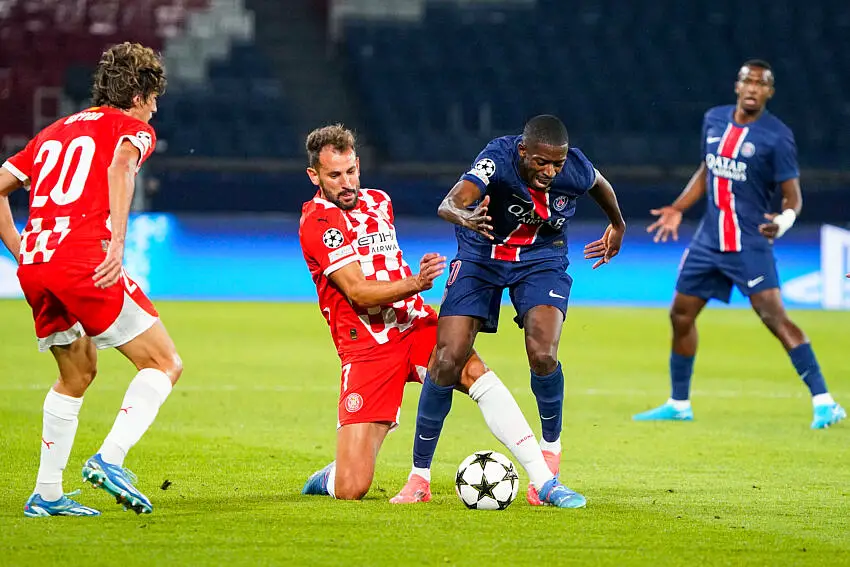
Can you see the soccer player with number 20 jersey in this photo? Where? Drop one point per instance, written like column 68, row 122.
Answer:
column 80, row 172
column 747, row 154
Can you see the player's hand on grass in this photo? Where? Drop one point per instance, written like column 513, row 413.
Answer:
column 431, row 267
column 478, row 220
column 669, row 219
column 109, row 271
column 606, row 247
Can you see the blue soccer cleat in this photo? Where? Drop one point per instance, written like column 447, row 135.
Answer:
column 665, row 412
column 38, row 507
column 318, row 482
column 553, row 493
column 118, row 482
column 827, row 414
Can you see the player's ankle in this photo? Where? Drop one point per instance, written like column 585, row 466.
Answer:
column 679, row 405
column 424, row 473
column 824, row 399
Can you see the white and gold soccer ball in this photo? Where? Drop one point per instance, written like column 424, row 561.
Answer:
column 486, row 480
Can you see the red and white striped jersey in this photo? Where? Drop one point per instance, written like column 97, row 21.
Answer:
column 332, row 238
column 65, row 169
column 745, row 164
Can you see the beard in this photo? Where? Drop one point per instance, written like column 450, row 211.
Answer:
column 338, row 200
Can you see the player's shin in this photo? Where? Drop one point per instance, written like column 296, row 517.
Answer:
column 806, row 365
column 146, row 393
column 681, row 370
column 435, row 402
column 57, row 437
column 508, row 424
column 549, row 392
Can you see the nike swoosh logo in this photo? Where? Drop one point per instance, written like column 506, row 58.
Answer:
column 755, row 281
column 548, row 418
column 553, row 294
column 428, row 438
column 712, row 139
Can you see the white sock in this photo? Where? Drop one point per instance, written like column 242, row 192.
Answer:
column 144, row 396
column 424, row 473
column 553, row 447
column 332, row 480
column 59, row 426
column 506, row 422
column 822, row 399
column 679, row 405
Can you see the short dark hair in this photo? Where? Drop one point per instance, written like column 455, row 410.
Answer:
column 127, row 70
column 336, row 135
column 545, row 129
column 761, row 63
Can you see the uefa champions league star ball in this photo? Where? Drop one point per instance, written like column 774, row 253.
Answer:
column 486, row 480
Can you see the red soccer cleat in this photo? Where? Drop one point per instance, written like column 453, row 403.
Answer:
column 416, row 490
column 554, row 462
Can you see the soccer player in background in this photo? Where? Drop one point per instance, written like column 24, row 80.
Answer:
column 526, row 189
column 383, row 331
column 80, row 172
column 748, row 154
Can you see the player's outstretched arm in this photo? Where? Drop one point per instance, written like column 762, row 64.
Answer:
column 609, row 245
column 122, row 176
column 373, row 293
column 454, row 208
column 670, row 217
column 792, row 204
column 8, row 233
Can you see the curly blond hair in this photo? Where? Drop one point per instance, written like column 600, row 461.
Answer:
column 127, row 70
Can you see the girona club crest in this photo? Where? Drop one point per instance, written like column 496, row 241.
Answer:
column 353, row 402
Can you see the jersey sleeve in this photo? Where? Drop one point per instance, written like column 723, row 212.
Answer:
column 20, row 164
column 141, row 135
column 325, row 241
column 785, row 165
column 487, row 168
column 582, row 171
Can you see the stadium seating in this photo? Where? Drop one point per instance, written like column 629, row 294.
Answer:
column 223, row 99
column 631, row 79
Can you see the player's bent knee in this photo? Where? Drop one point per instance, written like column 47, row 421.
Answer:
column 351, row 486
column 543, row 362
column 447, row 367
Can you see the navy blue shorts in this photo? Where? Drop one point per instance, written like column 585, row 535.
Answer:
column 475, row 287
column 710, row 274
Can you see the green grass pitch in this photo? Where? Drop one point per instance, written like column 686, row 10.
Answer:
column 747, row 483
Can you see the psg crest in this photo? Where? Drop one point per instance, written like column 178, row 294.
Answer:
column 560, row 203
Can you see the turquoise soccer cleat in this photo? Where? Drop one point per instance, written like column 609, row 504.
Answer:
column 118, row 482
column 318, row 482
column 553, row 493
column 826, row 415
column 665, row 412
column 38, row 507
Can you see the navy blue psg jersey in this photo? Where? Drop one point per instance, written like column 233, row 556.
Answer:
column 528, row 224
column 745, row 164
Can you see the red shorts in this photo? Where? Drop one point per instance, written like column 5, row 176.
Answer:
column 66, row 305
column 373, row 380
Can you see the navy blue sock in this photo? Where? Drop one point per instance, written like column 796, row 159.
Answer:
column 549, row 391
column 681, row 370
column 804, row 361
column 434, row 404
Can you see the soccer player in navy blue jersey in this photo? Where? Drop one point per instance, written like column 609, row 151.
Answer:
column 512, row 210
column 748, row 154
